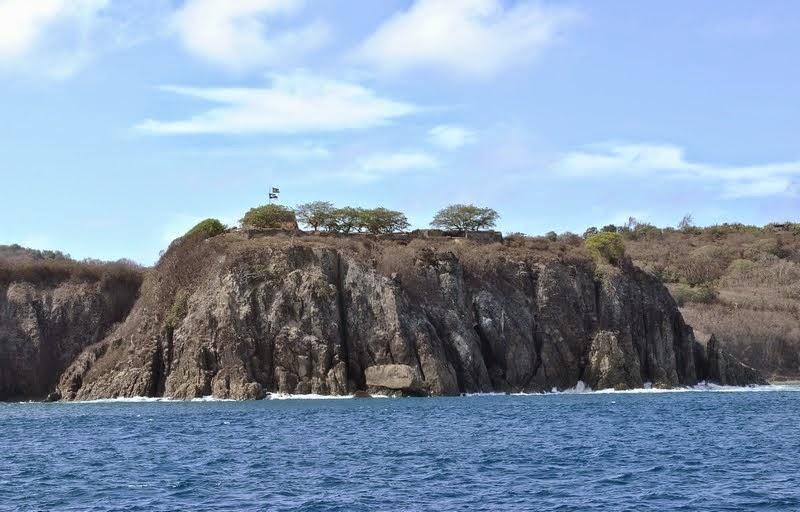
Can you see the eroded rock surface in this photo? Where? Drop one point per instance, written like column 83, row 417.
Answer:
column 238, row 318
column 43, row 328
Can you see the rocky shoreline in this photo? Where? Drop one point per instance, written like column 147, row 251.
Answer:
column 235, row 317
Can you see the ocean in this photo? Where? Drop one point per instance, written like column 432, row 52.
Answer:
column 705, row 449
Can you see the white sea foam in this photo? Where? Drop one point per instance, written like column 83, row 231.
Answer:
column 703, row 387
column 580, row 389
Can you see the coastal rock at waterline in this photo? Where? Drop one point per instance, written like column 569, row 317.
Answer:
column 314, row 316
column 612, row 363
column 722, row 368
column 398, row 377
column 45, row 326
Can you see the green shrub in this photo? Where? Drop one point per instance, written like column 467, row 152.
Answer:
column 211, row 227
column 269, row 216
column 606, row 247
column 179, row 309
column 703, row 294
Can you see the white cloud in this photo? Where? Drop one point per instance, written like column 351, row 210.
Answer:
column 56, row 38
column 668, row 161
column 295, row 103
column 472, row 37
column 234, row 33
column 377, row 166
column 47, row 37
column 451, row 136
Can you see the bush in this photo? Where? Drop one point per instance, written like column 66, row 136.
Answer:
column 269, row 216
column 606, row 247
column 179, row 310
column 211, row 227
column 703, row 294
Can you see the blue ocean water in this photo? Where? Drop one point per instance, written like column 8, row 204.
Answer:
column 694, row 451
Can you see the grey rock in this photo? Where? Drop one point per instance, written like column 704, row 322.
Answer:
column 303, row 315
column 44, row 327
column 720, row 367
column 398, row 377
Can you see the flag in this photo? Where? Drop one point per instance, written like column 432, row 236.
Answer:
column 276, row 190
column 273, row 196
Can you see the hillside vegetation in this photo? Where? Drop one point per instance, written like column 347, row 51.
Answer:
column 741, row 283
column 20, row 264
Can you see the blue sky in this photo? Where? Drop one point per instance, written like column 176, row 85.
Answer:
column 124, row 123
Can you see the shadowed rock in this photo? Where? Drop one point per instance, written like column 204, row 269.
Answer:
column 234, row 317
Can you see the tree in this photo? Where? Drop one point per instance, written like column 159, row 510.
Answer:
column 345, row 220
column 686, row 223
column 465, row 217
column 606, row 246
column 316, row 214
column 381, row 220
column 211, row 227
column 269, row 216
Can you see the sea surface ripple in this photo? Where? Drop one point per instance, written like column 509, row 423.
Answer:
column 701, row 451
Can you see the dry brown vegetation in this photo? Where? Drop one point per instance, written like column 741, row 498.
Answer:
column 52, row 267
column 740, row 283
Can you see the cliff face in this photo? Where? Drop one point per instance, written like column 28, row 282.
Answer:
column 237, row 318
column 43, row 327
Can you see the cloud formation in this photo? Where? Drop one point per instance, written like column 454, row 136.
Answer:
column 668, row 161
column 471, row 37
column 234, row 33
column 295, row 103
column 48, row 37
column 450, row 136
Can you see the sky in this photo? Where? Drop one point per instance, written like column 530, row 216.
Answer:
column 123, row 123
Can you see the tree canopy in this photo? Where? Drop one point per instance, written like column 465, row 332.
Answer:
column 465, row 217
column 381, row 220
column 316, row 214
column 322, row 215
column 269, row 216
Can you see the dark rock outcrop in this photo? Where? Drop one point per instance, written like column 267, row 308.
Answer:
column 44, row 327
column 296, row 316
column 722, row 368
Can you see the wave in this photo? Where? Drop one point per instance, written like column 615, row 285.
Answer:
column 702, row 387
column 580, row 389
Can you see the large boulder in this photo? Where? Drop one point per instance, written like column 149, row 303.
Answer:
column 395, row 377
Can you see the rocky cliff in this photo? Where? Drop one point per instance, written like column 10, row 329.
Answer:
column 237, row 318
column 45, row 325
